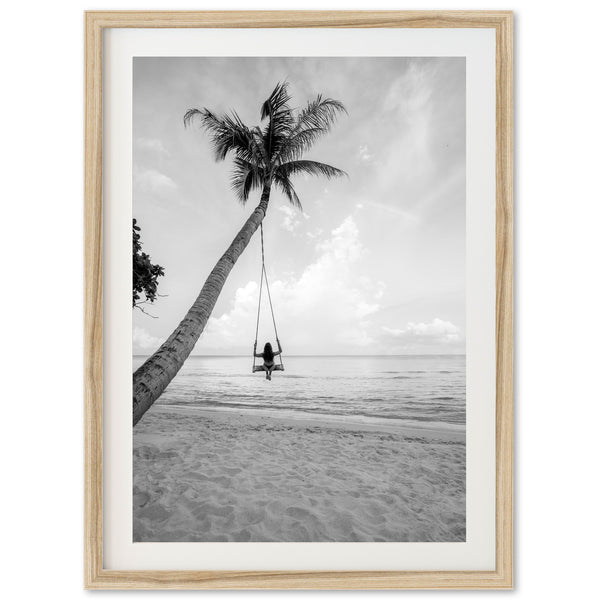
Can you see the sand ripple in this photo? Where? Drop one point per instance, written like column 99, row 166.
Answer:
column 214, row 477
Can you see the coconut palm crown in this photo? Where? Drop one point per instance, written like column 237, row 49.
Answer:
column 262, row 157
column 272, row 155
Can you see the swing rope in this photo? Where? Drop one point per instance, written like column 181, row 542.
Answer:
column 263, row 276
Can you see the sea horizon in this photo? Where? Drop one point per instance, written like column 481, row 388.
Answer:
column 463, row 354
column 428, row 389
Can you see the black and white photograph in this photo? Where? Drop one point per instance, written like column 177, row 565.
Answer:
column 300, row 297
column 299, row 317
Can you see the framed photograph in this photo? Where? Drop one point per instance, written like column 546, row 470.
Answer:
column 298, row 323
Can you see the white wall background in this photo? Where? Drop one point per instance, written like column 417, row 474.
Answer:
column 556, row 275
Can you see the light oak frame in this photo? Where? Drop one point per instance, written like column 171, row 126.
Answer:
column 96, row 577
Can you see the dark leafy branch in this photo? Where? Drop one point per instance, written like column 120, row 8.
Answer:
column 145, row 274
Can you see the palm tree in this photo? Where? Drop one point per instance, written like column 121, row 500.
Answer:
column 262, row 158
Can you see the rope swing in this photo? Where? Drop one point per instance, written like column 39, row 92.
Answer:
column 263, row 277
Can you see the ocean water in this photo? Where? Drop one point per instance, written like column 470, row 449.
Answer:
column 418, row 390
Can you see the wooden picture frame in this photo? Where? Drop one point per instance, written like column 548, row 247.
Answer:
column 96, row 576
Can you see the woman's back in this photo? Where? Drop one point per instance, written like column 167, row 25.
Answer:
column 268, row 354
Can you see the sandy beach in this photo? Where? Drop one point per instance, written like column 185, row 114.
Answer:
column 214, row 476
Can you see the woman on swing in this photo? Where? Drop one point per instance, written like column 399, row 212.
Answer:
column 268, row 357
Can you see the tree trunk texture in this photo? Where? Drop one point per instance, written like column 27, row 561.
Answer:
column 151, row 379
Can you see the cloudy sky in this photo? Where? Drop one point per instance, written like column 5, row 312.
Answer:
column 374, row 265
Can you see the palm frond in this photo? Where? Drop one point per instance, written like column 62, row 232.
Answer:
column 258, row 145
column 276, row 102
column 312, row 123
column 281, row 120
column 285, row 185
column 308, row 167
column 190, row 115
column 228, row 133
column 246, row 176
column 298, row 142
column 320, row 113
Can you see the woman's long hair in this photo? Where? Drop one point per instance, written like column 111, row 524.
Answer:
column 268, row 352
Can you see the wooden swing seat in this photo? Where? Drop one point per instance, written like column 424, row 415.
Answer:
column 256, row 368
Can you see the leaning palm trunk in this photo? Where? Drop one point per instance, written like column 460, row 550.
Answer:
column 151, row 379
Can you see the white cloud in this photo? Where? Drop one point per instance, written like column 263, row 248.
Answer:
column 329, row 297
column 231, row 329
column 318, row 232
column 363, row 309
column 364, row 154
column 394, row 210
column 152, row 144
column 142, row 340
column 151, row 180
column 419, row 335
column 291, row 217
